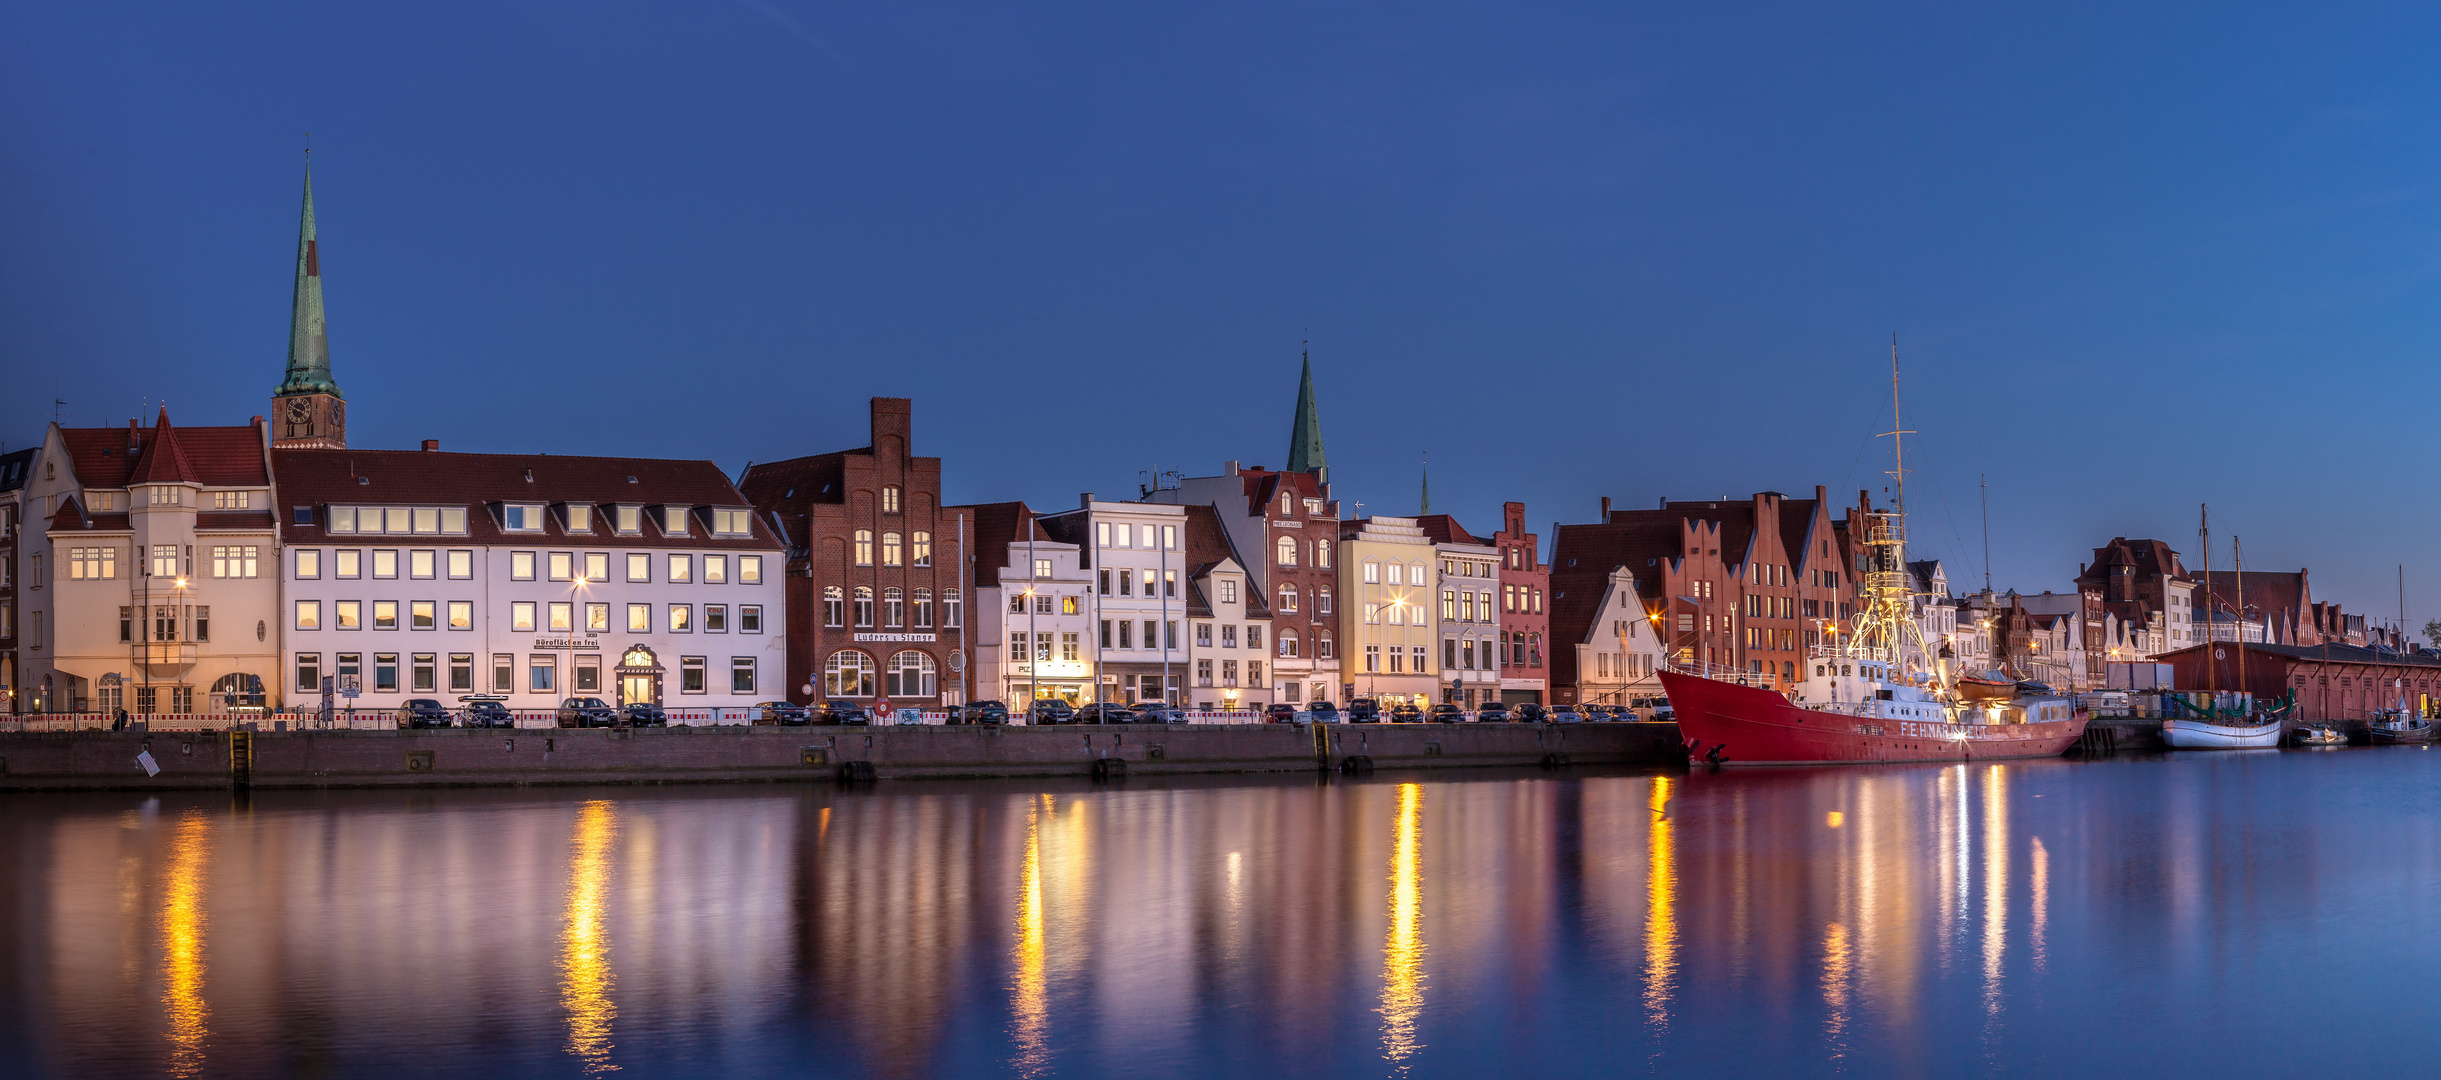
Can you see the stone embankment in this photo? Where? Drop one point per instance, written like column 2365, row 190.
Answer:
column 95, row 760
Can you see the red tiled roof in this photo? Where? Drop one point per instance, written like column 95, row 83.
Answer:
column 1206, row 544
column 212, row 456
column 233, row 519
column 318, row 478
column 998, row 527
column 789, row 487
column 1444, row 529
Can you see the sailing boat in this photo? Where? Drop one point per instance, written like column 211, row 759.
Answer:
column 1871, row 696
column 2215, row 726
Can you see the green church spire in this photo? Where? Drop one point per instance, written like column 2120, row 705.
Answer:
column 1305, row 436
column 1427, row 510
column 309, row 351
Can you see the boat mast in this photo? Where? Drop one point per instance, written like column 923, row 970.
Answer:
column 1884, row 625
column 2212, row 637
column 2237, row 554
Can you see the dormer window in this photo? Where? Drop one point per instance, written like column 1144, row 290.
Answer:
column 232, row 500
column 580, row 518
column 674, row 521
column 732, row 523
column 521, row 517
column 101, row 500
column 629, row 520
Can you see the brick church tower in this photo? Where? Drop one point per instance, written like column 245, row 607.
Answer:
column 307, row 411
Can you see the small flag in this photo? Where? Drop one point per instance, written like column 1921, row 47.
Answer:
column 151, row 767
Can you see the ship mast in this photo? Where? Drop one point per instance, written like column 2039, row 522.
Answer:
column 1886, row 625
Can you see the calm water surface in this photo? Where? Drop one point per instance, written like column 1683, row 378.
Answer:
column 2245, row 914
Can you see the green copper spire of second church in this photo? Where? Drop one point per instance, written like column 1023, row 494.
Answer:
column 309, row 351
column 1305, row 436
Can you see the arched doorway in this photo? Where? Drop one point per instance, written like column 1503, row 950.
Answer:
column 238, row 691
column 912, row 674
column 639, row 677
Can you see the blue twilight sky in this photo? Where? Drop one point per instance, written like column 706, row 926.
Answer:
column 2139, row 257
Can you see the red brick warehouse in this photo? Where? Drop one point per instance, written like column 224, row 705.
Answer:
column 876, row 607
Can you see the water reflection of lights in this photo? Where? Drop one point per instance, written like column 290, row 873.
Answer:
column 2038, row 877
column 182, row 928
column 1995, row 881
column 1030, row 1002
column 1660, row 906
column 1838, row 966
column 585, row 976
column 1403, row 953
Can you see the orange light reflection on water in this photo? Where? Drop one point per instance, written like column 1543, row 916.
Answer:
column 1403, row 953
column 183, row 922
column 586, row 980
column 1660, row 906
column 1031, row 1004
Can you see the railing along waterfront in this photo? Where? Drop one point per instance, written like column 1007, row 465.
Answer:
column 535, row 719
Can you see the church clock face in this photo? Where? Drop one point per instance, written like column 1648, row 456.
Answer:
column 339, row 415
column 300, row 413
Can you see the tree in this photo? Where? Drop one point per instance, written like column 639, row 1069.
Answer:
column 2432, row 632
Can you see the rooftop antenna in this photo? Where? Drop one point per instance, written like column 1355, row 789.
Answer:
column 56, row 405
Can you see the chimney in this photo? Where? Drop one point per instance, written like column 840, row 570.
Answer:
column 1229, row 468
column 1605, row 509
column 1084, row 500
column 432, row 446
column 135, row 437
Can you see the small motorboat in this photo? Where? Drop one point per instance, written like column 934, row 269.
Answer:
column 2220, row 733
column 2399, row 726
column 2318, row 735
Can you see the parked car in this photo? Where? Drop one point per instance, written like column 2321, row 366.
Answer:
column 1323, row 712
column 586, row 712
column 980, row 712
column 1564, row 714
column 1406, row 712
column 1363, row 710
column 1528, row 712
column 1160, row 714
column 643, row 714
column 487, row 713
column 782, row 713
column 1653, row 708
column 423, row 712
column 839, row 711
column 1052, row 711
column 1448, row 712
column 1105, row 712
column 1492, row 712
column 1280, row 712
column 1621, row 713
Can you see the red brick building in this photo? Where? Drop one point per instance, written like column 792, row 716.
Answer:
column 1525, row 623
column 2331, row 681
column 1739, row 585
column 876, row 604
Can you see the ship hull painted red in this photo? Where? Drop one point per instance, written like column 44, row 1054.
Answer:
column 1754, row 726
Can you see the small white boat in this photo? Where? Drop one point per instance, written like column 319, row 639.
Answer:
column 2189, row 733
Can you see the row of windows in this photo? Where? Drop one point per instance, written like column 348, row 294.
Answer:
column 424, row 673
column 458, row 564
column 1155, row 634
column 1288, row 597
column 1622, row 666
column 894, row 608
column 1374, row 656
column 171, row 496
column 227, row 561
column 557, row 616
column 1069, row 648
column 1155, row 582
column 1462, row 606
column 1466, row 568
column 1522, row 598
column 398, row 520
column 1288, row 505
column 168, row 620
column 1397, row 573
column 1284, row 550
column 1154, row 537
column 1228, row 635
column 1043, row 603
column 849, row 673
column 913, row 550
column 1228, row 673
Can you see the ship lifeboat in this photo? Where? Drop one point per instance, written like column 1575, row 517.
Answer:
column 1986, row 686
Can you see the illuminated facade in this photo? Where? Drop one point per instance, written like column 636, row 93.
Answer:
column 1388, row 577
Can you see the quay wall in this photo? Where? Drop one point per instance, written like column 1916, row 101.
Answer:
column 101, row 760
